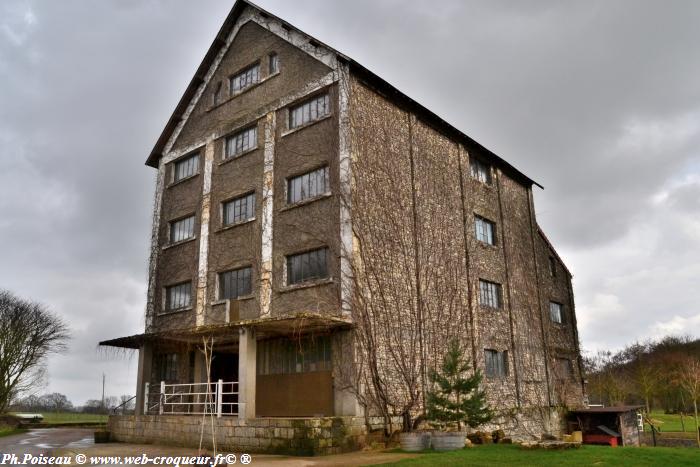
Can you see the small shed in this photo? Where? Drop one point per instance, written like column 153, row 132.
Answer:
column 616, row 426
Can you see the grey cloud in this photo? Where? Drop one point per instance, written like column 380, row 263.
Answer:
column 599, row 101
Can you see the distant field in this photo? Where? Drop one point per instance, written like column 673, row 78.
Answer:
column 71, row 417
column 672, row 422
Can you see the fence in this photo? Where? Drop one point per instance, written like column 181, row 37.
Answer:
column 220, row 398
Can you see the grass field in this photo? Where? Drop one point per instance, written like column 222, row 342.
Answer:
column 7, row 431
column 672, row 422
column 495, row 454
column 70, row 417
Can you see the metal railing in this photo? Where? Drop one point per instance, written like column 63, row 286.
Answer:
column 122, row 406
column 220, row 398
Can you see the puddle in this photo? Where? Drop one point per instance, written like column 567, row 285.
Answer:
column 83, row 443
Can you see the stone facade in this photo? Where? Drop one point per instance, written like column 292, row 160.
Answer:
column 401, row 188
column 297, row 436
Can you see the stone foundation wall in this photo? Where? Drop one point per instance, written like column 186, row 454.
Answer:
column 529, row 423
column 300, row 436
column 295, row 436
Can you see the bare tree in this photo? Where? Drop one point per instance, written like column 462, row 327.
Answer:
column 56, row 402
column 688, row 378
column 29, row 332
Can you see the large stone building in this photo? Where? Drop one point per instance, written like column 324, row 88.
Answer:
column 310, row 218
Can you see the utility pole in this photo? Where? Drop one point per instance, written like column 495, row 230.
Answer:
column 103, row 391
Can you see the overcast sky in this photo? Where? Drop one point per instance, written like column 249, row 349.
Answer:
column 597, row 101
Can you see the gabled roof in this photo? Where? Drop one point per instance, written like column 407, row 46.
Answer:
column 360, row 71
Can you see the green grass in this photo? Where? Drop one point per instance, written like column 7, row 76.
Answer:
column 672, row 422
column 8, row 431
column 70, row 417
column 495, row 454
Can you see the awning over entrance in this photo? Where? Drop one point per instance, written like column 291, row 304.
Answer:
column 300, row 323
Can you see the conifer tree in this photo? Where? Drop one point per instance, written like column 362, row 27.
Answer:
column 456, row 396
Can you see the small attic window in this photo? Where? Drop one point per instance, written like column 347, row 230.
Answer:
column 274, row 63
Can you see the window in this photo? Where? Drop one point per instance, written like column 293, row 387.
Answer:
column 313, row 109
column 239, row 209
column 178, row 296
column 285, row 356
column 236, row 283
column 274, row 61
column 245, row 79
column 556, row 312
column 241, row 142
column 481, row 171
column 485, row 230
column 308, row 185
column 307, row 266
column 564, row 368
column 166, row 365
column 186, row 167
column 552, row 266
column 182, row 229
column 216, row 95
column 496, row 363
column 490, row 294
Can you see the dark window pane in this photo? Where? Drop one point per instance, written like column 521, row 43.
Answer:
column 245, row 79
column 307, row 266
column 490, row 294
column 236, row 283
column 308, row 185
column 239, row 209
column 178, row 296
column 481, row 171
column 241, row 142
column 309, row 111
column 282, row 356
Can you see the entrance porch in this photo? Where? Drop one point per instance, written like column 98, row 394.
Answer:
column 273, row 367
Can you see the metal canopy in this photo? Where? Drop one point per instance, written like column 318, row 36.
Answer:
column 300, row 323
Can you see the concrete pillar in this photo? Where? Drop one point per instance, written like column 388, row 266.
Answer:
column 144, row 375
column 345, row 403
column 247, row 349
